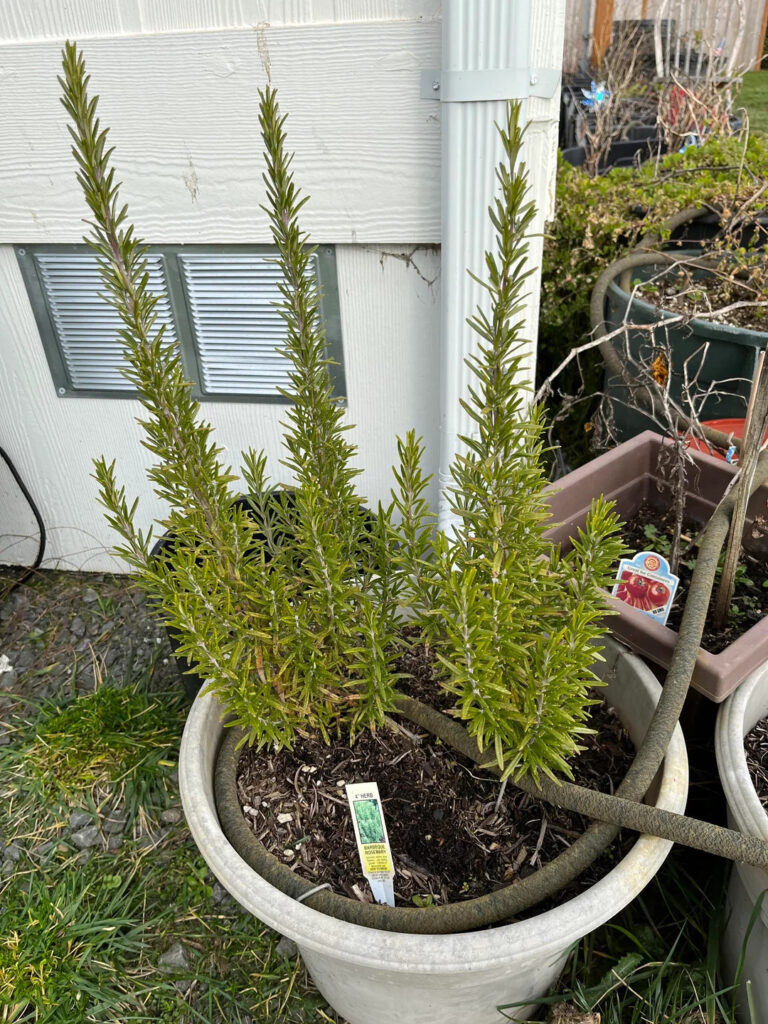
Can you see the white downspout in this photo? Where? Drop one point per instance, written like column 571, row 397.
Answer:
column 478, row 37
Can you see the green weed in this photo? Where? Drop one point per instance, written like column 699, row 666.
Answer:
column 65, row 939
column 115, row 739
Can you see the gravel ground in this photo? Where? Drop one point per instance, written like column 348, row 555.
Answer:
column 59, row 632
column 62, row 629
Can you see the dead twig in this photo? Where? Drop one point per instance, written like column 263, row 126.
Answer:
column 754, row 431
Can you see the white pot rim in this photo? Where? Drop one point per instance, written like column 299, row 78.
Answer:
column 737, row 716
column 544, row 936
column 743, row 709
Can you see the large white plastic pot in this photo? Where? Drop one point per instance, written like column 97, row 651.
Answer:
column 378, row 977
column 738, row 715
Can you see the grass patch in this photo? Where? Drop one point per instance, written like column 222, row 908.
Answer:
column 67, row 937
column 754, row 96
column 114, row 739
column 81, row 935
column 116, row 746
column 657, row 961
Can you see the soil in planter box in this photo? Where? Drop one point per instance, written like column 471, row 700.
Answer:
column 650, row 529
column 756, row 749
column 682, row 292
column 449, row 841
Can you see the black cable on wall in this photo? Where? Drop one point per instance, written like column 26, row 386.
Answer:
column 38, row 519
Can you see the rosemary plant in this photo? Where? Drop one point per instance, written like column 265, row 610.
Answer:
column 515, row 622
column 293, row 634
column 291, row 604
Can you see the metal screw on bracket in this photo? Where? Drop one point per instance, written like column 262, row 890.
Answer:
column 436, row 85
column 62, row 391
column 533, row 79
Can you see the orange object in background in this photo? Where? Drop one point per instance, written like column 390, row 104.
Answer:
column 735, row 427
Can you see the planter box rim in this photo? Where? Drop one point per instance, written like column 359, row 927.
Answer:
column 715, row 675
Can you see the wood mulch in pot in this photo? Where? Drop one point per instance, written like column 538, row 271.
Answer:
column 756, row 749
column 452, row 838
column 698, row 296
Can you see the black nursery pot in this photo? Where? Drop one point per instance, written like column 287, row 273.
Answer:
column 644, row 142
column 191, row 681
column 626, row 153
column 694, row 234
column 571, row 110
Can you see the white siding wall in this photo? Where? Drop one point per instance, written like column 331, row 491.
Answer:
column 178, row 84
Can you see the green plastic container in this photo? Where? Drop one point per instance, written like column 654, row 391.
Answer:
column 728, row 363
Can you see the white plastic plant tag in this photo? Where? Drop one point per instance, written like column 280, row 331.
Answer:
column 645, row 583
column 372, row 840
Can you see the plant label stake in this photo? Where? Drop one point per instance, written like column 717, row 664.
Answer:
column 372, row 840
column 645, row 582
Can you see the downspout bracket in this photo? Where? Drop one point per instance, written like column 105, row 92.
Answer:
column 491, row 84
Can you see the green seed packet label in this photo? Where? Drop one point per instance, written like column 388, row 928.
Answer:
column 372, row 840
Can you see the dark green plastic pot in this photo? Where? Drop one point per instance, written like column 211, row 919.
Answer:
column 728, row 362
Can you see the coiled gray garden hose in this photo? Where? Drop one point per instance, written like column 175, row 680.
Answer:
column 552, row 877
column 625, row 809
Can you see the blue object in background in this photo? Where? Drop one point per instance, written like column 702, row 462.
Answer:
column 595, row 96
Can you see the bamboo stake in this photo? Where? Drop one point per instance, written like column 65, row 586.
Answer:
column 658, row 49
column 754, row 431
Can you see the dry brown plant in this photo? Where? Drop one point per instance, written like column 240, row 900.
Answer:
column 671, row 394
column 612, row 116
column 697, row 76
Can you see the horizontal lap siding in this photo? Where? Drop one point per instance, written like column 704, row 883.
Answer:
column 52, row 19
column 183, row 111
column 182, row 106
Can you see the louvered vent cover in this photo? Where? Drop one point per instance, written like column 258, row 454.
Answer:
column 237, row 328
column 217, row 302
column 86, row 326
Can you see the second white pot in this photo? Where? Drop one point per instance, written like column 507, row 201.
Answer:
column 738, row 715
column 377, row 977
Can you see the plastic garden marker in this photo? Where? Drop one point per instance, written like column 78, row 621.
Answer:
column 645, row 582
column 372, row 840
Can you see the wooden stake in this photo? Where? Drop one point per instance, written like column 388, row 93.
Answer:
column 761, row 39
column 754, row 430
column 601, row 31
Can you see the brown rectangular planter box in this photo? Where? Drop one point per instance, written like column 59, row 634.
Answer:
column 628, row 475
